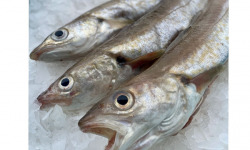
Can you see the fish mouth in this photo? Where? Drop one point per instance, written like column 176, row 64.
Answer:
column 38, row 51
column 34, row 55
column 46, row 101
column 103, row 130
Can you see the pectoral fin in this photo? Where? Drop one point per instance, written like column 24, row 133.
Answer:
column 203, row 80
column 203, row 83
column 119, row 24
column 197, row 108
column 146, row 60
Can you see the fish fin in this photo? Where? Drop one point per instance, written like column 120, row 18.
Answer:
column 146, row 60
column 203, row 80
column 197, row 108
column 118, row 24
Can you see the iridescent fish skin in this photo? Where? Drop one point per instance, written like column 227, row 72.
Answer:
column 109, row 65
column 160, row 101
column 91, row 29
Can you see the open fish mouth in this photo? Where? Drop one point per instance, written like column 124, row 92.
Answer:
column 100, row 129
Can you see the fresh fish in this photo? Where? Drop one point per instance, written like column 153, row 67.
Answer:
column 91, row 29
column 116, row 61
column 161, row 101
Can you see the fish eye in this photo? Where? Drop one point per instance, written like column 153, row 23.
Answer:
column 66, row 83
column 123, row 100
column 60, row 34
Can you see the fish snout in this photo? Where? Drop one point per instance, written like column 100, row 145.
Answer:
column 47, row 99
column 86, row 122
column 95, row 124
column 40, row 50
column 43, row 99
column 34, row 55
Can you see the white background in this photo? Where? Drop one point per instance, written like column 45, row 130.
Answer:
column 14, row 75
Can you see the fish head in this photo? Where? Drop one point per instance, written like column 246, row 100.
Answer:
column 132, row 111
column 61, row 92
column 85, row 82
column 71, row 40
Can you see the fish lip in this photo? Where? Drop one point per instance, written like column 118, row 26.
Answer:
column 44, row 48
column 47, row 102
column 34, row 55
column 101, row 129
column 40, row 50
column 37, row 52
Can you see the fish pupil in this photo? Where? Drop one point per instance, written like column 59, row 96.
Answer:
column 58, row 33
column 122, row 100
column 120, row 60
column 65, row 82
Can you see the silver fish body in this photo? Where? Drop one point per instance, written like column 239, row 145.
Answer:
column 91, row 29
column 109, row 65
column 160, row 101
